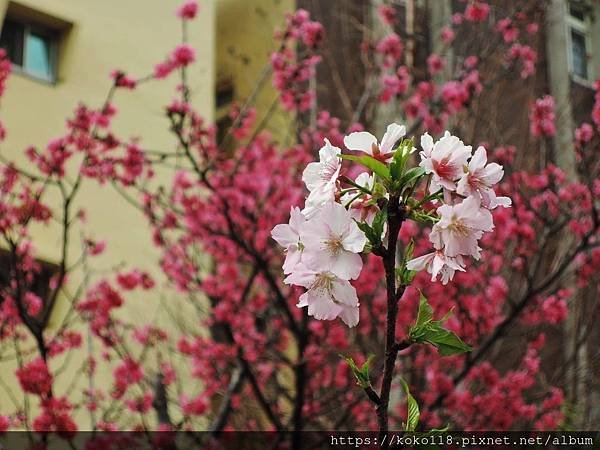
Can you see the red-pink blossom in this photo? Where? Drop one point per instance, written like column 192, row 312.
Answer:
column 121, row 79
column 35, row 377
column 195, row 406
column 187, row 10
column 390, row 47
column 584, row 134
column 447, row 35
column 542, row 116
column 507, row 28
column 183, row 55
column 4, row 423
column 55, row 416
column 387, row 14
column 477, row 11
column 435, row 63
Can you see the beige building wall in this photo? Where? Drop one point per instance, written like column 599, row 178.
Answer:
column 131, row 35
column 233, row 40
column 244, row 43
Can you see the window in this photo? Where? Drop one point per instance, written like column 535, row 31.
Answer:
column 30, row 47
column 579, row 40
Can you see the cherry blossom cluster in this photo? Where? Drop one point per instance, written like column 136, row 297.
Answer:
column 181, row 56
column 514, row 30
column 477, row 11
column 103, row 155
column 542, row 117
column 5, row 69
column 586, row 131
column 434, row 103
column 291, row 68
column 323, row 241
column 122, row 80
column 526, row 55
column 466, row 182
column 188, row 10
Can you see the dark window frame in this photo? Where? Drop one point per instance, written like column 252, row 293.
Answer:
column 48, row 34
column 579, row 22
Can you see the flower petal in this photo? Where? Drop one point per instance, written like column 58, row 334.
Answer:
column 419, row 263
column 350, row 316
column 347, row 266
column 393, row 133
column 284, row 235
column 426, row 145
column 360, row 140
column 343, row 292
column 478, row 160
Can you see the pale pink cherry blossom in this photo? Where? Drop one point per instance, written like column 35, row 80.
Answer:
column 325, row 172
column 313, row 204
column 480, row 179
column 288, row 236
column 446, row 160
column 460, row 227
column 321, row 178
column 332, row 242
column 437, row 263
column 426, row 145
column 327, row 297
column 365, row 142
column 362, row 208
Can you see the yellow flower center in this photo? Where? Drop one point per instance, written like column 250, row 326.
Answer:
column 458, row 227
column 334, row 245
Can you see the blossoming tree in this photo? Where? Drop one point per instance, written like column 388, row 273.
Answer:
column 386, row 248
column 324, row 240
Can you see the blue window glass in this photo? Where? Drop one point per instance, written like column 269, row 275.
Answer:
column 579, row 52
column 38, row 57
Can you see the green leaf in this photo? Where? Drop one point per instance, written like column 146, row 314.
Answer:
column 412, row 175
column 412, row 417
column 396, row 169
column 353, row 199
column 446, row 341
column 425, row 313
column 398, row 164
column 408, row 252
column 372, row 236
column 375, row 231
column 370, row 163
column 420, row 216
column 404, row 275
column 427, row 330
column 357, row 186
column 379, row 223
column 360, row 373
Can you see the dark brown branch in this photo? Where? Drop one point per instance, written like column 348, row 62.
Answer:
column 300, row 382
column 372, row 395
column 395, row 218
column 262, row 401
column 237, row 379
column 161, row 401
